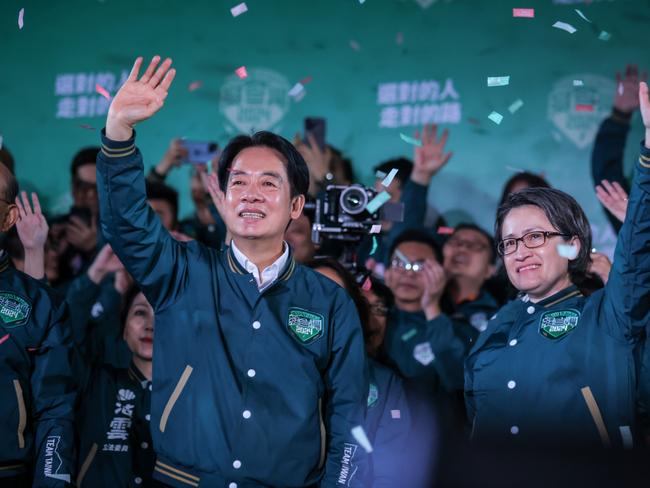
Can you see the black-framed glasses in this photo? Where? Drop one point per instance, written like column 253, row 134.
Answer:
column 403, row 265
column 531, row 240
column 379, row 309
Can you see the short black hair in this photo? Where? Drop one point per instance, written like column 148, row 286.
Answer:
column 382, row 291
column 160, row 191
column 416, row 235
column 297, row 170
column 530, row 179
column 403, row 166
column 7, row 158
column 345, row 164
column 11, row 189
column 87, row 155
column 483, row 232
column 564, row 214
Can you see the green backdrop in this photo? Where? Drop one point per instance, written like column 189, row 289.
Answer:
column 367, row 62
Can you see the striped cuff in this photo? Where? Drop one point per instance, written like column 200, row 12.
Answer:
column 644, row 158
column 117, row 149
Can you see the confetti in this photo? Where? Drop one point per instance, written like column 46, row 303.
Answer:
column 401, row 257
column 102, row 91
column 377, row 202
column 87, row 127
column 498, row 80
column 578, row 83
column 583, row 16
column 407, row 335
column 241, row 72
column 296, row 89
column 380, row 175
column 306, row 79
column 565, row 27
column 567, row 251
column 239, row 9
column 516, row 170
column 395, row 414
column 410, row 140
column 195, row 85
column 389, row 178
column 367, row 285
column 495, row 117
column 355, row 45
column 528, row 13
column 445, row 230
column 516, row 105
column 620, row 88
column 604, row 36
column 399, row 39
column 374, row 246
column 375, row 229
column 582, row 107
column 360, row 435
column 4, row 338
column 21, row 15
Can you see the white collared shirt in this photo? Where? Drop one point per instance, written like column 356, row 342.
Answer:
column 269, row 274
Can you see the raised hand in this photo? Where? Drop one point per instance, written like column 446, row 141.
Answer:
column 645, row 110
column 613, row 197
column 31, row 226
column 434, row 284
column 626, row 99
column 431, row 156
column 106, row 262
column 600, row 266
column 80, row 234
column 173, row 157
column 317, row 160
column 139, row 99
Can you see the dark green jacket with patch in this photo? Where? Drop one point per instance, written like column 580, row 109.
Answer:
column 548, row 372
column 37, row 391
column 250, row 389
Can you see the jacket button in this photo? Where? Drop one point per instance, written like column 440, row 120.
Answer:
column 251, row 373
column 256, row 324
column 513, row 342
column 137, row 480
column 144, row 445
column 236, row 464
column 511, row 384
column 246, row 414
column 514, row 430
column 147, row 417
column 530, row 310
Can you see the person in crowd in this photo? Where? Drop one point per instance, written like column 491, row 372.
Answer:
column 521, row 181
column 113, row 414
column 224, row 318
column 298, row 236
column 554, row 349
column 38, row 394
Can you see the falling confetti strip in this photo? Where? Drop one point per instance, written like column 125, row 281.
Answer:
column 355, row 45
column 367, row 284
column 604, row 36
column 445, row 230
column 495, row 117
column 620, row 88
column 407, row 335
column 360, row 436
column 296, row 90
column 389, row 178
column 528, row 13
column 86, row 126
column 377, row 202
column 583, row 16
column 374, row 245
column 4, row 338
column 239, row 9
column 516, row 170
column 410, row 140
column 375, row 229
column 498, row 80
column 399, row 39
column 241, row 72
column 21, row 16
column 567, row 251
column 306, row 79
column 565, row 27
column 516, row 105
column 582, row 107
column 578, row 83
column 102, row 91
column 195, row 85
column 380, row 175
column 395, row 414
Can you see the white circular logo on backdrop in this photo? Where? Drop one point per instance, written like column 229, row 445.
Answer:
column 258, row 102
column 577, row 111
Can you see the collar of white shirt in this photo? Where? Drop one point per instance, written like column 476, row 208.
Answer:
column 269, row 274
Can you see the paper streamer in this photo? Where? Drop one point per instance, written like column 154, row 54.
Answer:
column 375, row 229
column 102, row 91
column 445, row 230
column 565, row 27
column 495, row 117
column 389, row 178
column 4, row 338
column 407, row 335
column 516, row 105
column 239, row 9
column 584, row 17
column 498, row 80
column 377, row 202
column 395, row 414
column 195, row 85
column 241, row 72
column 360, row 436
column 21, row 16
column 367, row 284
column 410, row 140
column 578, row 83
column 374, row 246
column 604, row 36
column 528, row 13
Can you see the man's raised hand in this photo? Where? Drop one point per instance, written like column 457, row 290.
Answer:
column 430, row 157
column 139, row 99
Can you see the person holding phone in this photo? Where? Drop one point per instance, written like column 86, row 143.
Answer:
column 260, row 377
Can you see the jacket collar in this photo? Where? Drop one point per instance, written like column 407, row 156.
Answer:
column 4, row 260
column 559, row 297
column 237, row 268
column 137, row 376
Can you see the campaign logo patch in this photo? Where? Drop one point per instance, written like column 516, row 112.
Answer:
column 373, row 394
column 554, row 325
column 14, row 310
column 423, row 353
column 306, row 326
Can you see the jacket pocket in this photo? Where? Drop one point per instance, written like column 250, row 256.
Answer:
column 174, row 396
column 86, row 465
column 22, row 414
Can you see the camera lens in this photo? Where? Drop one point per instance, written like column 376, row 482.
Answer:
column 353, row 200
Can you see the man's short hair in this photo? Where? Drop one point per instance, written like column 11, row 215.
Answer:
column 87, row 155
column 483, row 232
column 297, row 170
column 417, row 235
column 403, row 166
column 10, row 190
column 7, row 159
column 161, row 191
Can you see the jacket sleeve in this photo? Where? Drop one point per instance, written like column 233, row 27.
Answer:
column 53, row 406
column 346, row 383
column 155, row 260
column 625, row 309
column 607, row 157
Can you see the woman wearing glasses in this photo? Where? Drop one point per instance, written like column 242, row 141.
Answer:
column 555, row 367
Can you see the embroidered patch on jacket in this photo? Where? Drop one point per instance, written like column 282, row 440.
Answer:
column 373, row 394
column 14, row 310
column 423, row 353
column 306, row 326
column 554, row 325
